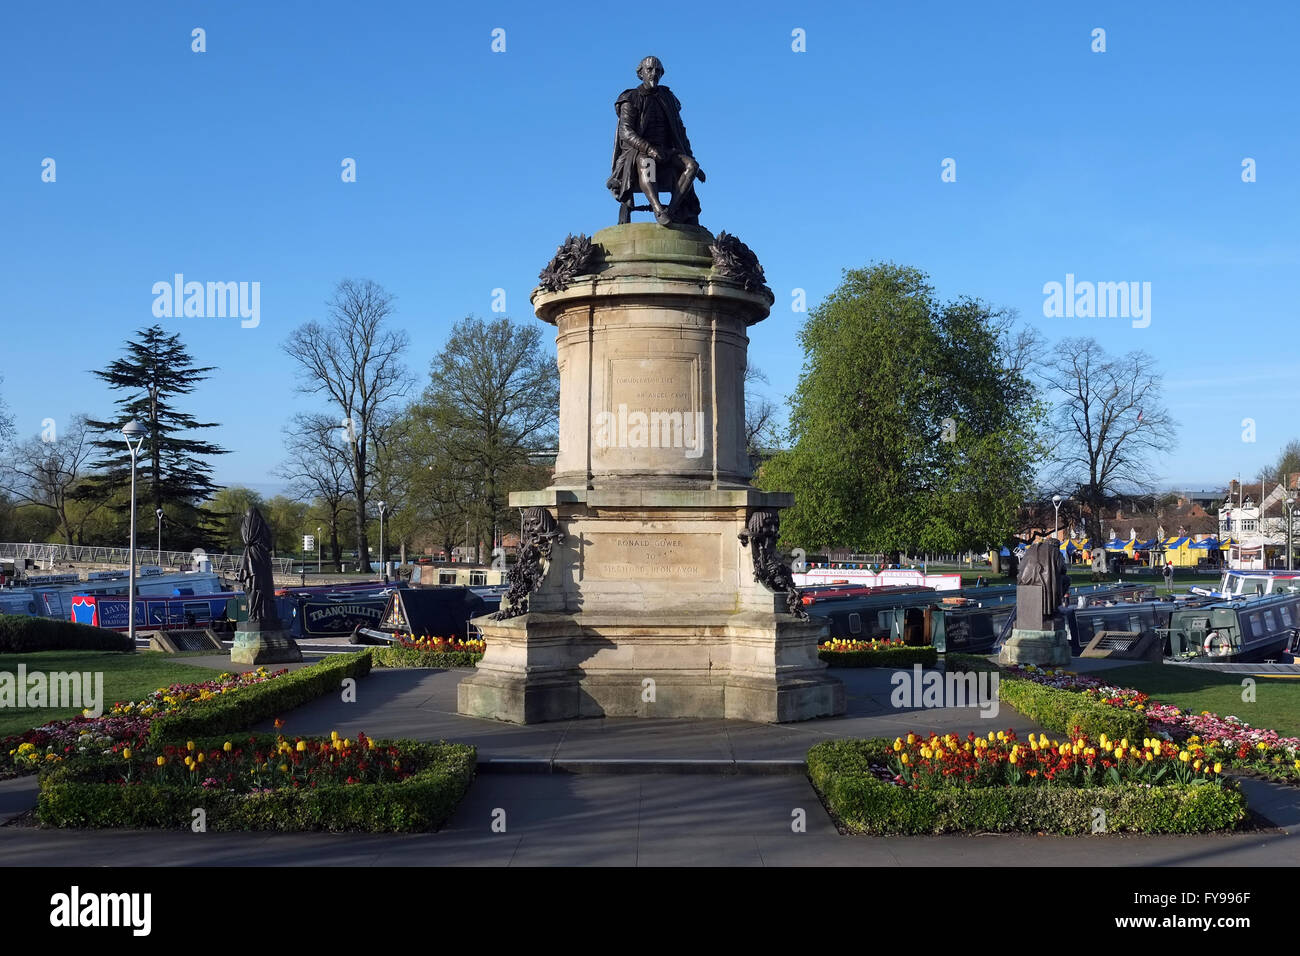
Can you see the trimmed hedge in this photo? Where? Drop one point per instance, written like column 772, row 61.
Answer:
column 241, row 709
column 1062, row 711
column 885, row 657
column 75, row 794
column 22, row 634
column 394, row 655
column 840, row 770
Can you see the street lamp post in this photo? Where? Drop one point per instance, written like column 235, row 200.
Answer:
column 383, row 566
column 318, row 549
column 1056, row 505
column 135, row 434
column 1289, row 516
column 158, row 514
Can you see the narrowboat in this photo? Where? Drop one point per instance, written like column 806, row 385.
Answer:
column 1244, row 630
column 154, row 613
column 52, row 595
column 1239, row 583
column 427, row 612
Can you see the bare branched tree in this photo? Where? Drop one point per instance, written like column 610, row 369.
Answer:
column 319, row 471
column 1109, row 425
column 44, row 470
column 760, row 415
column 355, row 360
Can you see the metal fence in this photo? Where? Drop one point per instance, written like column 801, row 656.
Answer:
column 121, row 557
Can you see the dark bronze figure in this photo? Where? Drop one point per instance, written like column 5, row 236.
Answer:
column 1043, row 567
column 255, row 570
column 761, row 533
column 540, row 532
column 652, row 153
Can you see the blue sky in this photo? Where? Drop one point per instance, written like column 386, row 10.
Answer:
column 473, row 165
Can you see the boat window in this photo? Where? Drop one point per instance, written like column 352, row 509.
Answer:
column 855, row 623
column 1254, row 622
column 1087, row 624
column 1270, row 623
column 1286, row 616
column 478, row 579
column 446, row 577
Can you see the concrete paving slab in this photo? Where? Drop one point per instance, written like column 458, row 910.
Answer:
column 17, row 796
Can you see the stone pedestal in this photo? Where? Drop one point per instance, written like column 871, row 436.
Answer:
column 1042, row 648
column 258, row 643
column 649, row 605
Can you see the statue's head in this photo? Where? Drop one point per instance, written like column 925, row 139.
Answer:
column 650, row 70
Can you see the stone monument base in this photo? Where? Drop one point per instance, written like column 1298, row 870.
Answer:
column 1041, row 648
column 557, row 666
column 257, row 644
column 650, row 609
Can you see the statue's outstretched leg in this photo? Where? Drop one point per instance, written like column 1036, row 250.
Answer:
column 684, row 183
column 625, row 212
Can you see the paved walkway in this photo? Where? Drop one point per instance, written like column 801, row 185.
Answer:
column 642, row 820
column 627, row 815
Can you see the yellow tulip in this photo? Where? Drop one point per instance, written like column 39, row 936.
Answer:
column 911, row 738
column 226, row 746
column 199, row 758
column 1218, row 768
column 189, row 745
column 898, row 745
column 284, row 768
column 302, row 746
column 1196, row 764
column 1184, row 756
column 126, row 753
column 160, row 761
column 903, row 758
column 334, row 735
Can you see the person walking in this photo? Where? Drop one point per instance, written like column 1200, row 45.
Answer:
column 1168, row 572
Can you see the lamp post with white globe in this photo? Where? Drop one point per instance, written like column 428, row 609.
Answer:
column 135, row 434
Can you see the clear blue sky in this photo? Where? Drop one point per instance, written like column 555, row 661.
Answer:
column 473, row 165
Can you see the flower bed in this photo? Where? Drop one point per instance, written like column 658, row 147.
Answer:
column 844, row 652
column 262, row 782
column 1229, row 740
column 440, row 652
column 1061, row 708
column 941, row 784
column 228, row 704
column 125, row 724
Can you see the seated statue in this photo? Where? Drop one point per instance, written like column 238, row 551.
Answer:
column 652, row 153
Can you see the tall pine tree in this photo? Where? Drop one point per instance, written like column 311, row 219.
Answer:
column 172, row 473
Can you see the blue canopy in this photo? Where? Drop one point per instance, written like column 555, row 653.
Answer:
column 1207, row 543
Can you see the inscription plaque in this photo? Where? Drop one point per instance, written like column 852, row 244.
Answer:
column 639, row 555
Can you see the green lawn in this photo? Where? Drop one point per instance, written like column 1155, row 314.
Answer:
column 1276, row 705
column 126, row 677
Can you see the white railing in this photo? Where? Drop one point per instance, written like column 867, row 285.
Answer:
column 50, row 554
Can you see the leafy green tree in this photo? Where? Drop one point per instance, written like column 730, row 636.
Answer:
column 911, row 427
column 289, row 522
column 172, row 473
column 226, row 511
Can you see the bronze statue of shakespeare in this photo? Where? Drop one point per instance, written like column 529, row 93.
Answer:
column 652, row 153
